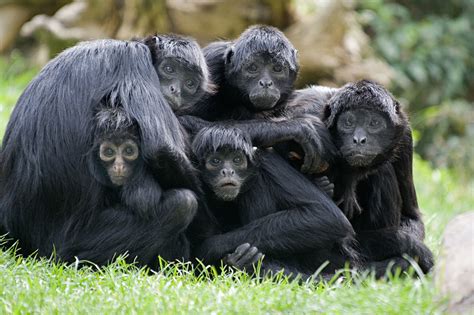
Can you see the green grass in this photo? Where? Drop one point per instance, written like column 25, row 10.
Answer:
column 30, row 285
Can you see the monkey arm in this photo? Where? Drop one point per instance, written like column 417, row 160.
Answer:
column 295, row 230
column 307, row 130
column 173, row 209
column 403, row 166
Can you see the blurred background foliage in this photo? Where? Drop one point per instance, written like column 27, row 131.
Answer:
column 421, row 50
column 430, row 45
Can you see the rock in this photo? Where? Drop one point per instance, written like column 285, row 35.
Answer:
column 333, row 49
column 454, row 273
column 11, row 18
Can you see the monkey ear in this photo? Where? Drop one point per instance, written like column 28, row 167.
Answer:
column 150, row 41
column 228, row 54
column 397, row 106
column 295, row 53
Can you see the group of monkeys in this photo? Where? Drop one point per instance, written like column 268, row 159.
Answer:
column 156, row 147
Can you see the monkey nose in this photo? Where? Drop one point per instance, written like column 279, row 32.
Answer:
column 359, row 140
column 265, row 83
column 174, row 90
column 118, row 169
column 227, row 172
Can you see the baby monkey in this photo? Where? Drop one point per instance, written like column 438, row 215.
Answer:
column 119, row 165
column 119, row 157
column 226, row 164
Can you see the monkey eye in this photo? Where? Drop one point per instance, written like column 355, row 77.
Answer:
column 129, row 151
column 109, row 152
column 374, row 123
column 169, row 69
column 252, row 68
column 190, row 83
column 348, row 123
column 277, row 68
column 237, row 160
column 216, row 161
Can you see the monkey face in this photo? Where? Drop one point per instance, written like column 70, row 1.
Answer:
column 225, row 171
column 263, row 78
column 363, row 135
column 119, row 160
column 180, row 84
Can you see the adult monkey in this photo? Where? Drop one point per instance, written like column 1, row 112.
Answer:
column 48, row 197
column 373, row 177
column 291, row 223
column 255, row 75
column 182, row 69
column 128, row 185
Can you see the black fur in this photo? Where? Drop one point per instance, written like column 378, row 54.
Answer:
column 293, row 223
column 49, row 199
column 187, row 52
column 232, row 106
column 225, row 59
column 389, row 223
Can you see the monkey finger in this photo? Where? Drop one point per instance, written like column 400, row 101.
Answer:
column 252, row 263
column 232, row 258
column 349, row 213
column 315, row 163
column 229, row 260
column 256, row 258
column 323, row 181
column 241, row 249
column 248, row 257
column 309, row 160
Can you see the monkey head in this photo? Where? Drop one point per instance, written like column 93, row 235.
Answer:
column 262, row 64
column 182, row 69
column 367, row 124
column 226, row 160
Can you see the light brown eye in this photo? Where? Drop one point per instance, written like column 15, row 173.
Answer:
column 129, row 151
column 109, row 152
column 237, row 160
column 215, row 161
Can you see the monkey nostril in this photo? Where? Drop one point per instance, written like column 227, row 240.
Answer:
column 172, row 89
column 227, row 172
column 358, row 140
column 265, row 84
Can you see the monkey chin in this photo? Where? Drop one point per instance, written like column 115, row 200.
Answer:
column 227, row 192
column 264, row 100
column 360, row 160
column 118, row 180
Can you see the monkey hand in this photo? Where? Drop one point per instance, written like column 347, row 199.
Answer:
column 308, row 133
column 325, row 185
column 178, row 207
column 245, row 257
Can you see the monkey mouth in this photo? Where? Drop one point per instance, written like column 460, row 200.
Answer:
column 229, row 185
column 118, row 180
column 173, row 101
column 265, row 100
column 358, row 159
